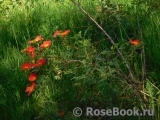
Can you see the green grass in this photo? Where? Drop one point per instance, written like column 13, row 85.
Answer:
column 97, row 78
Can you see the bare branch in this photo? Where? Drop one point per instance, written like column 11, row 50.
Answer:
column 110, row 39
column 132, row 79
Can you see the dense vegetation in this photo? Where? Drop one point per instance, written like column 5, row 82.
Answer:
column 83, row 67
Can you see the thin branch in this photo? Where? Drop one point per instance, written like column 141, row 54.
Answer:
column 143, row 60
column 154, row 86
column 110, row 39
column 132, row 79
column 149, row 96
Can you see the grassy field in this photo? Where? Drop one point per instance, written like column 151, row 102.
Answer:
column 81, row 67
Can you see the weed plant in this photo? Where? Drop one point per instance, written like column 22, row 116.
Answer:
column 83, row 68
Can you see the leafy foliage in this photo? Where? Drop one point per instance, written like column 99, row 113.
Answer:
column 83, row 69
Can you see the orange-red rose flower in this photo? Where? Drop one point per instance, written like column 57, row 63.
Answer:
column 57, row 33
column 30, row 88
column 65, row 33
column 41, row 62
column 135, row 42
column 60, row 33
column 37, row 39
column 46, row 44
column 26, row 66
column 32, row 77
column 30, row 49
column 32, row 54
